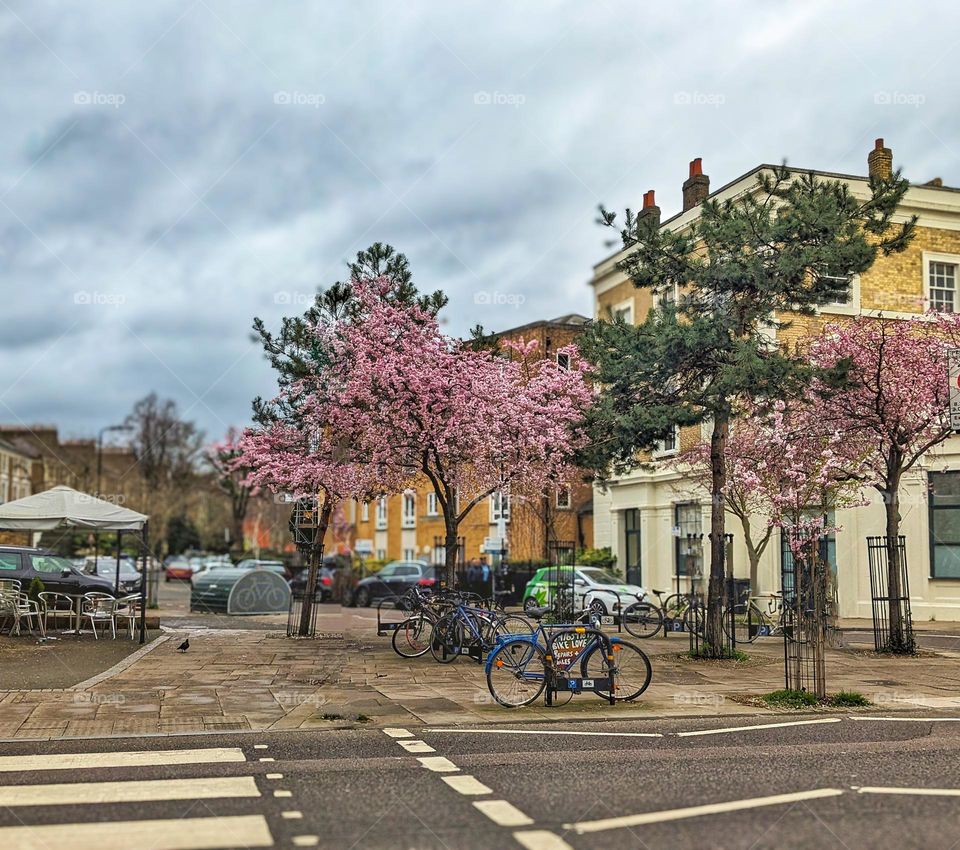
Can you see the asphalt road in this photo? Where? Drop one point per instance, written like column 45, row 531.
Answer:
column 634, row 785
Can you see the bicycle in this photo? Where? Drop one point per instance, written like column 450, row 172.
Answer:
column 749, row 621
column 520, row 667
column 471, row 630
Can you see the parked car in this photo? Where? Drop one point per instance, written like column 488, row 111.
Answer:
column 58, row 574
column 256, row 564
column 298, row 584
column 594, row 587
column 178, row 569
column 106, row 568
column 393, row 580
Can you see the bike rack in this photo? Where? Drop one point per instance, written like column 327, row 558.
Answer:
column 559, row 682
column 384, row 628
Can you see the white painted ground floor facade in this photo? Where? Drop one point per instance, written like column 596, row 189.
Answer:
column 656, row 523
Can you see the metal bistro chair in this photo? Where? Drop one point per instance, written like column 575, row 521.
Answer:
column 128, row 609
column 19, row 607
column 99, row 608
column 57, row 606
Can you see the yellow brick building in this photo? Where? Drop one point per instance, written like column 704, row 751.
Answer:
column 409, row 525
column 656, row 522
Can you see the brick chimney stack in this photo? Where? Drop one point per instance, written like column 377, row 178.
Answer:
column 880, row 161
column 696, row 187
column 650, row 209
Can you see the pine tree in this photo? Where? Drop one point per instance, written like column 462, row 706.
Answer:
column 742, row 265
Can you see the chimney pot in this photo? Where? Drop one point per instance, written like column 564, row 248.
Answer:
column 880, row 161
column 650, row 209
column 696, row 187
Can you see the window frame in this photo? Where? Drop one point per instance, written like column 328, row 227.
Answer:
column 660, row 449
column 408, row 515
column 930, row 258
column 432, row 505
column 382, row 513
column 497, row 500
column 932, row 508
column 563, row 491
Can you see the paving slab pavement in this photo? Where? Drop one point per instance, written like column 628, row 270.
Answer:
column 258, row 679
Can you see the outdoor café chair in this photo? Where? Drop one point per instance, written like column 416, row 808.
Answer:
column 11, row 584
column 57, row 606
column 19, row 607
column 128, row 608
column 99, row 608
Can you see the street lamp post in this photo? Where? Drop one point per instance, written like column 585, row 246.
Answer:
column 96, row 537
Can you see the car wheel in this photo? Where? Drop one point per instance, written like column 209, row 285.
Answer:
column 529, row 603
column 363, row 598
column 597, row 607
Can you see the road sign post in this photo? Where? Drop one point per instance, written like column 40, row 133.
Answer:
column 953, row 372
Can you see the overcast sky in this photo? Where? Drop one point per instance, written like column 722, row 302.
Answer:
column 169, row 170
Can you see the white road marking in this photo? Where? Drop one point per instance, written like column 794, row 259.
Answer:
column 135, row 791
column 503, row 813
column 305, row 840
column 144, row 758
column 274, row 776
column 394, row 732
column 920, row 792
column 761, row 726
column 282, row 793
column 260, row 746
column 438, row 764
column 291, row 815
column 416, row 746
column 267, row 759
column 912, row 719
column 540, row 839
column 172, row 834
column 698, row 811
column 546, row 732
column 466, row 784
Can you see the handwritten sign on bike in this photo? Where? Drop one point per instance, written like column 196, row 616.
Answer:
column 567, row 646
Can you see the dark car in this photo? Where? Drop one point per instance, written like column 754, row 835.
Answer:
column 106, row 568
column 393, row 580
column 326, row 577
column 58, row 574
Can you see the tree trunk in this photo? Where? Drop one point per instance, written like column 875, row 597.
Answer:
column 713, row 636
column 898, row 637
column 316, row 558
column 753, row 555
column 450, row 550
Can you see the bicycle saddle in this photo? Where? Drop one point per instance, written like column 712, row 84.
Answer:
column 538, row 613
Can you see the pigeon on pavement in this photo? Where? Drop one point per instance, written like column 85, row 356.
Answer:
column 184, row 646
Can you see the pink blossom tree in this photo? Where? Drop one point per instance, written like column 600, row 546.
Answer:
column 892, row 410
column 231, row 478
column 472, row 422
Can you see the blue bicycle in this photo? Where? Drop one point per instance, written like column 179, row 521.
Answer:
column 565, row 658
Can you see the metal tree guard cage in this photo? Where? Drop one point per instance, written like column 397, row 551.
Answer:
column 304, row 522
column 805, row 588
column 304, row 526
column 892, row 618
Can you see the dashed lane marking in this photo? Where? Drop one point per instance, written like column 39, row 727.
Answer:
column 394, row 732
column 291, row 815
column 137, row 758
column 416, row 746
column 438, row 764
column 90, row 793
column 912, row 719
column 503, row 813
column 467, row 785
column 260, row 746
column 306, row 840
column 760, row 726
column 274, row 776
column 540, row 839
column 267, row 759
column 584, row 827
column 281, row 793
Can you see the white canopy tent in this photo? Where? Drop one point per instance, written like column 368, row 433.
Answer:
column 64, row 507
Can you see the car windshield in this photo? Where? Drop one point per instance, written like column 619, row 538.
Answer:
column 599, row 576
column 107, row 567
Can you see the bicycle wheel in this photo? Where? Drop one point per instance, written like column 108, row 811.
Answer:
column 446, row 639
column 411, row 639
column 746, row 618
column 631, row 670
column 642, row 619
column 514, row 624
column 516, row 673
column 675, row 605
